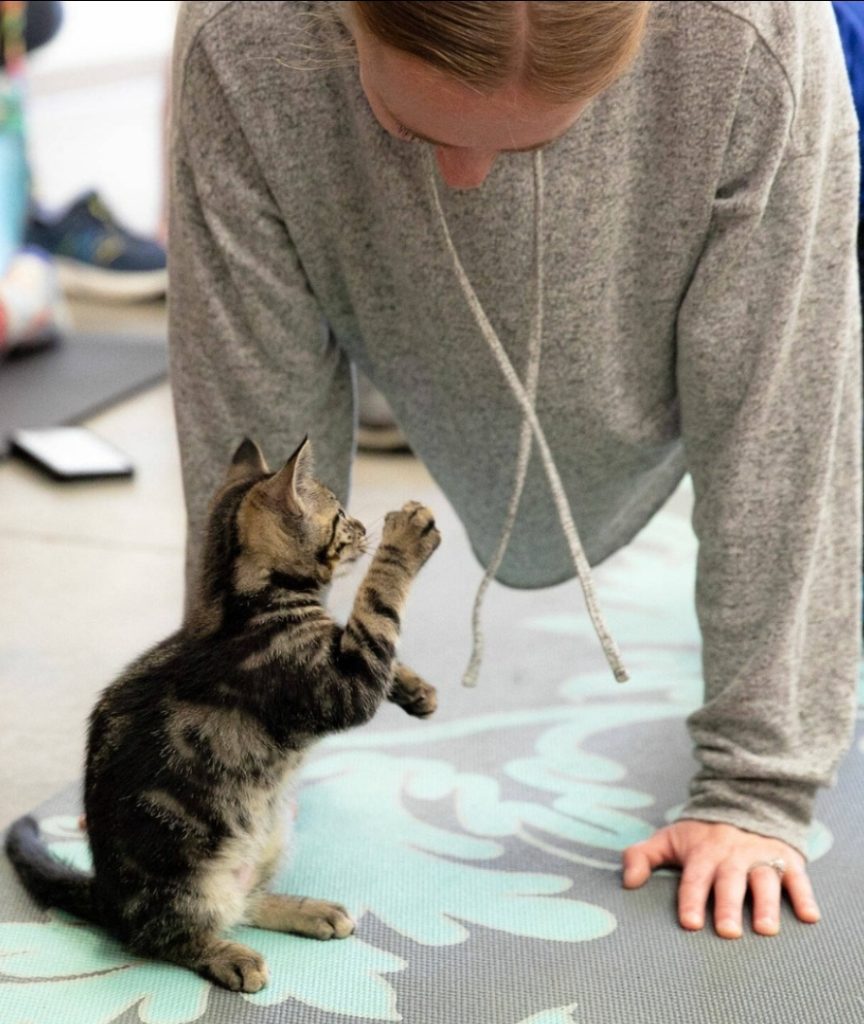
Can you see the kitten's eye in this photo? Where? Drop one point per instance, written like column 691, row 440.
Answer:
column 406, row 133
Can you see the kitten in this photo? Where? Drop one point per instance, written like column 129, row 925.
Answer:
column 191, row 749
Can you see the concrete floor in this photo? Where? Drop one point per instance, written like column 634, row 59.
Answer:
column 92, row 575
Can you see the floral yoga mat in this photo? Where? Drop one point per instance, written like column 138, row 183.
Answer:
column 479, row 850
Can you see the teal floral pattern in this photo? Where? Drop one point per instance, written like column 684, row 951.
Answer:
column 77, row 975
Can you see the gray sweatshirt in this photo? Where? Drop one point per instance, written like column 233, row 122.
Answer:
column 701, row 315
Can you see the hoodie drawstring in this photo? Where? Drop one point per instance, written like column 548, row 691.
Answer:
column 530, row 426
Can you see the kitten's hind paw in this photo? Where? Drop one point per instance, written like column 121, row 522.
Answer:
column 413, row 694
column 317, row 919
column 320, row 919
column 235, row 967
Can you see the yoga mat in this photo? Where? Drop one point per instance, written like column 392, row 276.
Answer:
column 75, row 378
column 479, row 850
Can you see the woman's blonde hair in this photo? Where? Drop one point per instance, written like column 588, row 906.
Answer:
column 560, row 50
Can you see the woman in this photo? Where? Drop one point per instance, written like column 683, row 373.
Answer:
column 656, row 208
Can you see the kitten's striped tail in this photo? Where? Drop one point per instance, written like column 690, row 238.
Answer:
column 49, row 880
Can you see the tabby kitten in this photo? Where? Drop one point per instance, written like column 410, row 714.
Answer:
column 192, row 749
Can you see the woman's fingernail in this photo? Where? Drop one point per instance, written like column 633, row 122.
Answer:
column 691, row 919
column 729, row 929
column 767, row 926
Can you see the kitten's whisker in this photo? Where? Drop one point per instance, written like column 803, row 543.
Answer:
column 370, row 541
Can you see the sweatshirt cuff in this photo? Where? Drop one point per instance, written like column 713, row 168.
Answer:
column 780, row 810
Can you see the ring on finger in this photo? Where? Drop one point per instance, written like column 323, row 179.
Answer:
column 776, row 863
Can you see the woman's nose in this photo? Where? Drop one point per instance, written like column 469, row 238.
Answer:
column 464, row 168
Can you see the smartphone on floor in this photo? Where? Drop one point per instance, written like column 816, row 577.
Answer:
column 71, row 453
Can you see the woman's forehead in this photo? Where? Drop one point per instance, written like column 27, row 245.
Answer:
column 448, row 112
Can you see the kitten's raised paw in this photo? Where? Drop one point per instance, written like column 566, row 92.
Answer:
column 413, row 531
column 235, row 967
column 413, row 694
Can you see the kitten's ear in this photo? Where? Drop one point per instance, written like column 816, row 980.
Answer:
column 247, row 461
column 301, row 458
column 282, row 488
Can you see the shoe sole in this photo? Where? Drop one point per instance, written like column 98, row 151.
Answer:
column 81, row 280
column 381, row 439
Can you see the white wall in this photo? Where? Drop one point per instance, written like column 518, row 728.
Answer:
column 96, row 106
column 102, row 33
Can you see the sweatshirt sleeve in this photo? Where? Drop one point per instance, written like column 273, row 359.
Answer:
column 768, row 368
column 251, row 353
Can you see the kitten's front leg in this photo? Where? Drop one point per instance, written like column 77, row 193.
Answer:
column 412, row 693
column 368, row 643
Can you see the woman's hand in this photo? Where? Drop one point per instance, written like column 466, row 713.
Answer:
column 729, row 861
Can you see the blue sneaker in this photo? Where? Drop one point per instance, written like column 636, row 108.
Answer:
column 96, row 256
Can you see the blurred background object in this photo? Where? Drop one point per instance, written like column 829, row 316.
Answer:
column 96, row 109
column 95, row 254
column 82, row 102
